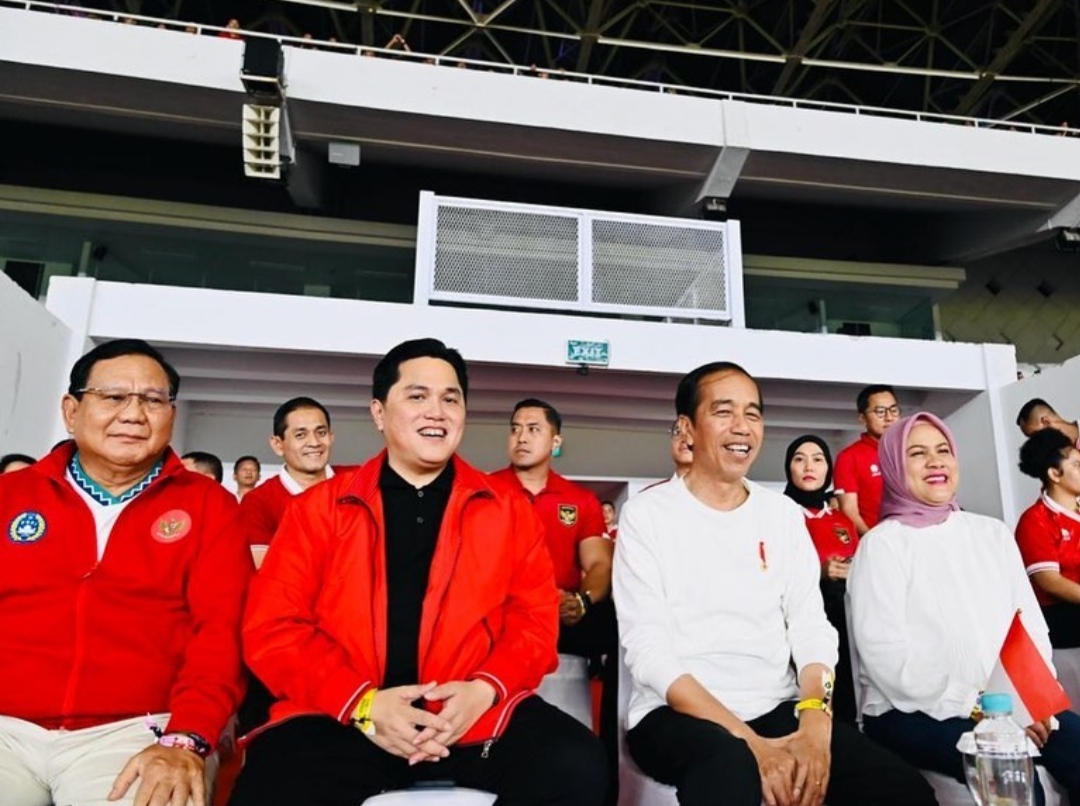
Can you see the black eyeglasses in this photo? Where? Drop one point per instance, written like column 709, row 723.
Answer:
column 882, row 411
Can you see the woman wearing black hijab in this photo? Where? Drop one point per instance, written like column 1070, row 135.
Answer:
column 808, row 465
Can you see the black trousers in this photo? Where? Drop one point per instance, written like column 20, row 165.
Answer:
column 710, row 767
column 832, row 593
column 1063, row 619
column 596, row 637
column 543, row 757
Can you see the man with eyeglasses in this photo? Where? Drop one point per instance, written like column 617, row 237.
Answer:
column 121, row 588
column 857, row 474
column 682, row 454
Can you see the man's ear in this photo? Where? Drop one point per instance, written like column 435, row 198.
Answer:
column 276, row 445
column 686, row 429
column 68, row 406
column 378, row 413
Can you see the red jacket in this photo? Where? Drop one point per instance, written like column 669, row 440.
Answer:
column 315, row 626
column 153, row 626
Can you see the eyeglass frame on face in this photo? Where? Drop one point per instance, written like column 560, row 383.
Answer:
column 881, row 412
column 153, row 400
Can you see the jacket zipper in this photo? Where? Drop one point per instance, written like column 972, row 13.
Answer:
column 80, row 642
column 500, row 724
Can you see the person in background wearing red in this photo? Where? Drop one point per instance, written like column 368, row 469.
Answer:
column 858, row 472
column 611, row 519
column 580, row 551
column 808, row 465
column 246, row 473
column 302, row 438
column 1049, row 532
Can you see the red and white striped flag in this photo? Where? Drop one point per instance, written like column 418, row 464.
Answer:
column 1023, row 673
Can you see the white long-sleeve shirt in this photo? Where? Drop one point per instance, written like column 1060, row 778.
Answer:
column 930, row 609
column 730, row 598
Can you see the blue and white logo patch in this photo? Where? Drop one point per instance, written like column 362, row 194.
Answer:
column 28, row 527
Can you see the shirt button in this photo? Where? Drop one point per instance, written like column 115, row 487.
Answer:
column 419, row 493
column 419, row 520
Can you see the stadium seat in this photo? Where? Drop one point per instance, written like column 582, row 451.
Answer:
column 440, row 795
column 568, row 689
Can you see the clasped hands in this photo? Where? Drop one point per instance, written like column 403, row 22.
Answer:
column 418, row 735
column 795, row 768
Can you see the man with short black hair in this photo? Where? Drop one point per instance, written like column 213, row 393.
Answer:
column 857, row 475
column 246, row 473
column 205, row 463
column 725, row 633
column 581, row 551
column 302, row 437
column 1037, row 414
column 404, row 615
column 122, row 580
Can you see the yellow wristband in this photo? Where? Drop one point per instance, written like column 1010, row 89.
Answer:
column 812, row 704
column 361, row 716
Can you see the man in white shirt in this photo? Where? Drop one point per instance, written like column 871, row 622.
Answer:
column 717, row 584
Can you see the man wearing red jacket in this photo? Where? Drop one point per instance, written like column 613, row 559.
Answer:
column 122, row 578
column 404, row 617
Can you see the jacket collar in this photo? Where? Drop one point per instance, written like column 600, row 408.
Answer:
column 54, row 464
column 365, row 484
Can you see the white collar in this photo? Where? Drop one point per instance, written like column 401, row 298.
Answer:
column 1054, row 506
column 292, row 485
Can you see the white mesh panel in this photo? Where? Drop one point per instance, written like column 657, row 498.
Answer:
column 647, row 265
column 505, row 253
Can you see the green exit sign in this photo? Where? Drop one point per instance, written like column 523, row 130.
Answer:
column 588, row 353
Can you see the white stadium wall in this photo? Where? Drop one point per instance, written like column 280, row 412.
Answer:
column 33, row 372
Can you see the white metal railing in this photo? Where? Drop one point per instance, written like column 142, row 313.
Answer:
column 554, row 74
column 499, row 254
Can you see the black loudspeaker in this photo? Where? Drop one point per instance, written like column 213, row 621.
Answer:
column 263, row 58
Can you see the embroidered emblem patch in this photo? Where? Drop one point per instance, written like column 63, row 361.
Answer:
column 875, row 470
column 842, row 534
column 27, row 527
column 170, row 527
column 567, row 514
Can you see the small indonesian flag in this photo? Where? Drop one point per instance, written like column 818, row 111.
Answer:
column 1022, row 673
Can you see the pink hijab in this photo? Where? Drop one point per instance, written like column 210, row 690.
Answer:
column 896, row 500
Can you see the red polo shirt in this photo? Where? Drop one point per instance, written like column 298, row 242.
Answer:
column 1049, row 540
column 262, row 509
column 570, row 514
column 857, row 471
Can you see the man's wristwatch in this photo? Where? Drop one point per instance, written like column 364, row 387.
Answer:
column 584, row 600
column 187, row 741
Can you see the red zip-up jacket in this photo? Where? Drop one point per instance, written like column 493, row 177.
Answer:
column 153, row 626
column 315, row 626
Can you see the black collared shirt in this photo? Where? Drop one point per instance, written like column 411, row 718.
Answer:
column 412, row 517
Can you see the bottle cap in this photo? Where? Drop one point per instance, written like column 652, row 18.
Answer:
column 996, row 703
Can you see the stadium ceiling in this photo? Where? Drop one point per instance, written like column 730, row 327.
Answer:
column 1006, row 60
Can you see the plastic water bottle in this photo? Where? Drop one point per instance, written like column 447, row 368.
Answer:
column 1006, row 773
